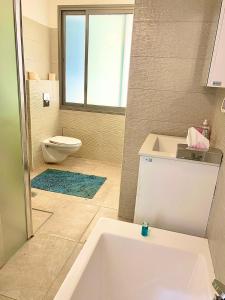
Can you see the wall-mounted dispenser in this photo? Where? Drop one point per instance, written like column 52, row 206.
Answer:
column 46, row 99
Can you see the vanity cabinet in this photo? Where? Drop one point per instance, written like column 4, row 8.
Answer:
column 173, row 194
column 216, row 76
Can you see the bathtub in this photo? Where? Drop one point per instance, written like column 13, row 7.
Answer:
column 117, row 263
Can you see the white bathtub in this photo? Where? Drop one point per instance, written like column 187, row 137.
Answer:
column 117, row 263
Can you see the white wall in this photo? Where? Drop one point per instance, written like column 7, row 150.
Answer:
column 37, row 10
column 45, row 11
column 54, row 3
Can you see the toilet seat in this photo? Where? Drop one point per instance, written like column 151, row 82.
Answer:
column 64, row 140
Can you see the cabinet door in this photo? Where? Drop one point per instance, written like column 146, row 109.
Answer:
column 175, row 194
column 217, row 68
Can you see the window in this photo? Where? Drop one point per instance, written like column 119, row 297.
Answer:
column 95, row 56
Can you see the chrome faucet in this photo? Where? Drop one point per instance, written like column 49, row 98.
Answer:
column 220, row 289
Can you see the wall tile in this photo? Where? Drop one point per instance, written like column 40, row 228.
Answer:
column 43, row 120
column 177, row 10
column 54, row 44
column 170, row 105
column 172, row 74
column 36, row 39
column 172, row 45
column 173, row 39
column 54, row 50
column 128, row 190
column 102, row 135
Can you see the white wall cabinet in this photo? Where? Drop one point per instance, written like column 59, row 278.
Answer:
column 217, row 69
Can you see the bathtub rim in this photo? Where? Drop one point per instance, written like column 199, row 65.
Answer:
column 106, row 226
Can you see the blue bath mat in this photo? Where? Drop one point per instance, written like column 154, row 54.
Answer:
column 70, row 183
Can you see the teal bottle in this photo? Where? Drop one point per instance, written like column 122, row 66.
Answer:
column 145, row 229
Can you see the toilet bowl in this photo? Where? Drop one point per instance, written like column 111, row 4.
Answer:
column 58, row 148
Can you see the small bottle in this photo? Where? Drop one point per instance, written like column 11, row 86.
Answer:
column 206, row 129
column 145, row 229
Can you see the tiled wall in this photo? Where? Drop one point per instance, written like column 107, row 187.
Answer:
column 54, row 50
column 36, row 38
column 102, row 135
column 44, row 121
column 216, row 225
column 171, row 51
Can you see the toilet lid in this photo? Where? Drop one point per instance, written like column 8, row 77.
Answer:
column 64, row 140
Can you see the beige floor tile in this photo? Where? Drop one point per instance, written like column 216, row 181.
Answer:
column 92, row 167
column 112, row 173
column 70, row 164
column 103, row 212
column 38, row 170
column 51, row 202
column 32, row 270
column 70, row 220
column 62, row 275
column 112, row 198
column 108, row 195
column 80, row 165
column 101, row 194
column 5, row 298
column 39, row 218
column 40, row 266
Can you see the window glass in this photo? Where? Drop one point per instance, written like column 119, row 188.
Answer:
column 108, row 63
column 106, row 59
column 75, row 59
column 96, row 73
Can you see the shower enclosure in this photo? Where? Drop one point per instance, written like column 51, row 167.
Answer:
column 15, row 211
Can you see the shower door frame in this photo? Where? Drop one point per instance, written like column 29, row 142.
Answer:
column 17, row 11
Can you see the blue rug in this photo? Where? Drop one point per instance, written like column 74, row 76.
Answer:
column 70, row 183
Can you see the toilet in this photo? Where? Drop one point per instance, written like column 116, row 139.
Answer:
column 56, row 149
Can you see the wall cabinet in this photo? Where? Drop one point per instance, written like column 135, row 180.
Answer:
column 217, row 68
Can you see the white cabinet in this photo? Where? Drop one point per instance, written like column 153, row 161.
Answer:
column 217, row 69
column 173, row 194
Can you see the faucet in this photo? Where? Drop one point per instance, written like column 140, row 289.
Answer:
column 220, row 289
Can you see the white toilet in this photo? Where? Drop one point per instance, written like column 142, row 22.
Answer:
column 58, row 148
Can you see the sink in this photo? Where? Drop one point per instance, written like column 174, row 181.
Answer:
column 161, row 145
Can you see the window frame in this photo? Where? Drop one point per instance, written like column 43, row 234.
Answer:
column 86, row 10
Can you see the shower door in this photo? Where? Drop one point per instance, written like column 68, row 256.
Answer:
column 15, row 213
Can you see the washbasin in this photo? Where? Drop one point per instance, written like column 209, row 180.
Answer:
column 161, row 145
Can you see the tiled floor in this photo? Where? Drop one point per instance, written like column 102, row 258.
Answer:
column 61, row 224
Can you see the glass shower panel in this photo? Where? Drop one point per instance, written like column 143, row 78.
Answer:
column 108, row 59
column 75, row 58
column 13, row 229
